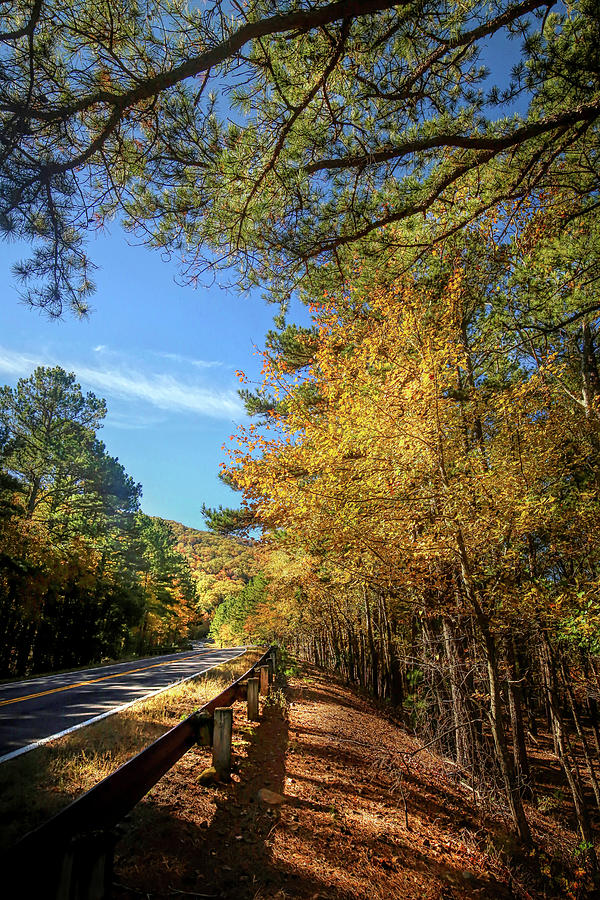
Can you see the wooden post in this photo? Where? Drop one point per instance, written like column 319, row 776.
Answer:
column 204, row 729
column 271, row 670
column 274, row 658
column 63, row 889
column 100, row 873
column 222, row 739
column 253, row 690
column 86, row 871
column 264, row 679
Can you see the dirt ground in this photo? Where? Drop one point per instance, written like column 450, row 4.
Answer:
column 366, row 814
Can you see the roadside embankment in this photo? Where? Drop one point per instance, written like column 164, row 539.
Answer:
column 364, row 812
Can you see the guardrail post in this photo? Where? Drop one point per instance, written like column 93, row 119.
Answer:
column 63, row 888
column 264, row 679
column 222, row 739
column 86, row 869
column 253, row 690
column 100, row 868
column 204, row 729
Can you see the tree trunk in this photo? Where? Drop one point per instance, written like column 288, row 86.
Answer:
column 459, row 711
column 515, row 706
column 582, row 736
column 561, row 744
column 33, row 495
column 495, row 713
column 374, row 673
column 396, row 692
column 590, row 386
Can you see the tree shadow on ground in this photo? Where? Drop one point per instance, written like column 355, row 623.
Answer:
column 312, row 694
column 342, row 832
column 228, row 855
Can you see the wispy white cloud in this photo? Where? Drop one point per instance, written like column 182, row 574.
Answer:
column 17, row 363
column 158, row 389
column 188, row 360
column 163, row 391
column 134, row 421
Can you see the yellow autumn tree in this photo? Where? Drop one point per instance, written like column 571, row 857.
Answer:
column 425, row 459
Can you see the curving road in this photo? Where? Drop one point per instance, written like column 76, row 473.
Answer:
column 36, row 710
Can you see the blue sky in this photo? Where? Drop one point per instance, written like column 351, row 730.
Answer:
column 163, row 355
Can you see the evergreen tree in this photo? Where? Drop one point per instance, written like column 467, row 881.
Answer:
column 83, row 575
column 279, row 140
column 50, row 431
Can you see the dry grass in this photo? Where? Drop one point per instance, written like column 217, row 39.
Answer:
column 38, row 784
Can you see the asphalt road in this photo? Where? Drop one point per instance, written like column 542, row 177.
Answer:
column 39, row 708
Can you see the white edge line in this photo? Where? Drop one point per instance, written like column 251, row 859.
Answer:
column 110, row 712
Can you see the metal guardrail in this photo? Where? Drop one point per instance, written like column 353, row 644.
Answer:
column 69, row 857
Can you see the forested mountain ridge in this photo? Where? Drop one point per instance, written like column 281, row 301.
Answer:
column 221, row 566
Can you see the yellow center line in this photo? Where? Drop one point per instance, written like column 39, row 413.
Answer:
column 69, row 687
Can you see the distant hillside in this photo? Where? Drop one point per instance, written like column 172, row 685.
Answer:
column 220, row 565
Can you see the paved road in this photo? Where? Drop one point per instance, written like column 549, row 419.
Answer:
column 38, row 708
